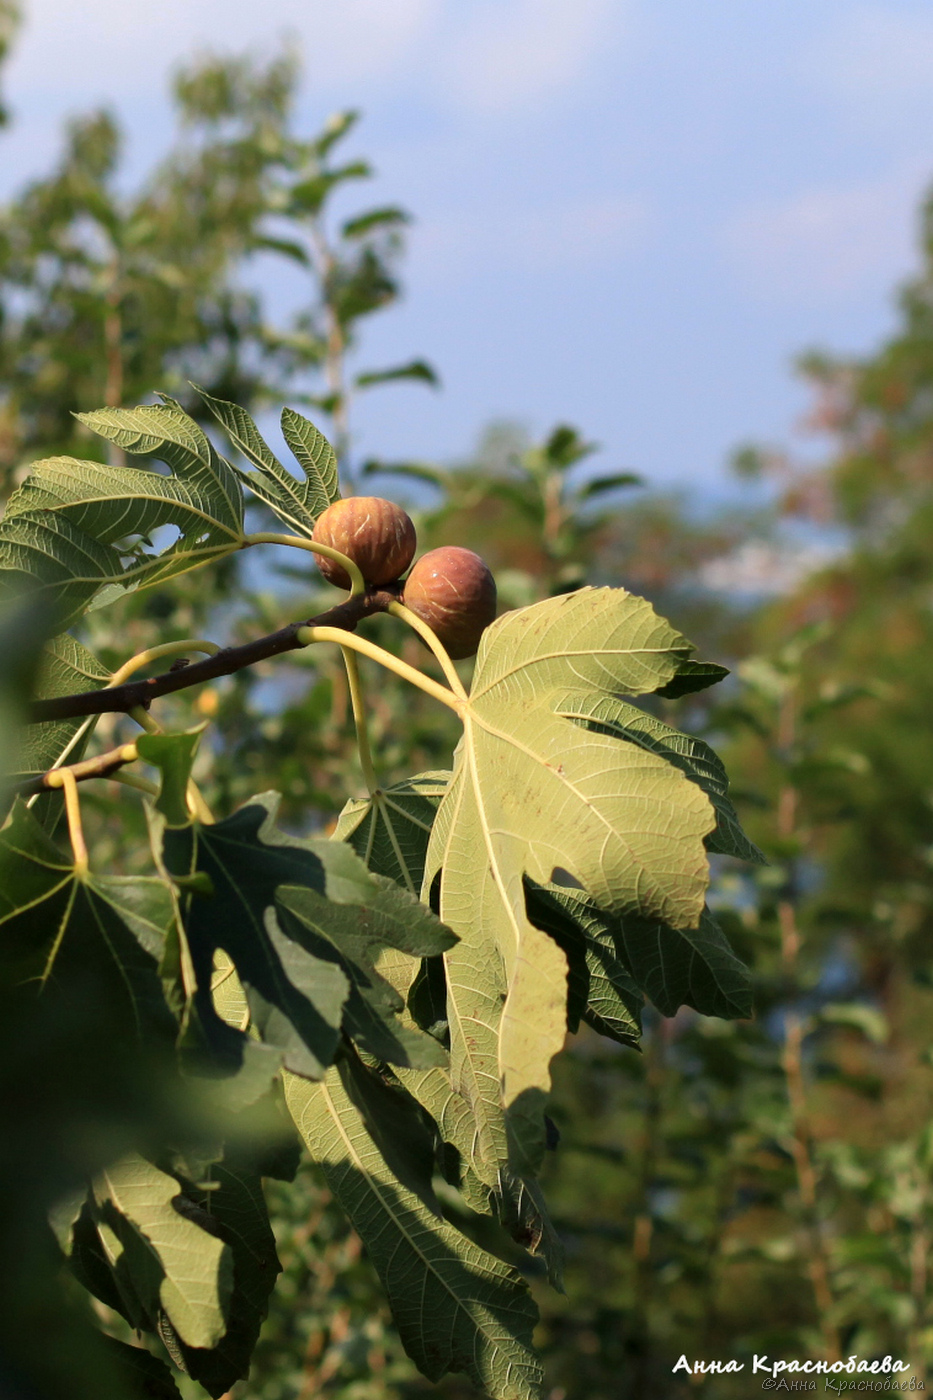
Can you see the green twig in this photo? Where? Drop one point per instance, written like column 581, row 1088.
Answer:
column 357, row 582
column 307, row 635
column 430, row 637
column 358, row 703
column 143, row 658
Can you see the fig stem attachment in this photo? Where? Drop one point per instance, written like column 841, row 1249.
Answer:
column 144, row 720
column 357, row 582
column 430, row 637
column 65, row 779
column 358, row 702
column 307, row 635
column 143, row 658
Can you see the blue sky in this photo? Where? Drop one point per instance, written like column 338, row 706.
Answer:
column 630, row 214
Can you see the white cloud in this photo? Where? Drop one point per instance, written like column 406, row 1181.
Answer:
column 489, row 55
column 543, row 238
column 830, row 241
column 524, row 52
column 122, row 46
column 762, row 569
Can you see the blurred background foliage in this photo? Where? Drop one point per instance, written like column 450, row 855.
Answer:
column 762, row 1185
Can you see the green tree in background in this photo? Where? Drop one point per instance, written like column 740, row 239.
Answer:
column 742, row 1184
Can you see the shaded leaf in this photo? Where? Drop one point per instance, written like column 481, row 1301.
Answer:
column 173, row 755
column 693, row 967
column 456, row 1307
column 601, row 990
column 390, row 830
column 67, row 667
column 354, row 937
column 295, row 999
column 100, row 931
column 692, row 676
column 235, row 1210
column 144, row 1375
column 305, row 956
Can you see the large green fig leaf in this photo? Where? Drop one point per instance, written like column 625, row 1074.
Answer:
column 233, row 1208
column 627, row 958
column 78, row 532
column 610, row 715
column 355, row 937
column 303, row 922
column 99, row 936
column 296, row 503
column 535, row 793
column 162, row 1260
column 601, row 991
column 67, row 668
column 457, row 1308
column 390, row 829
column 688, row 966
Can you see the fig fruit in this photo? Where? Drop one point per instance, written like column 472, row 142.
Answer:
column 453, row 591
column 377, row 535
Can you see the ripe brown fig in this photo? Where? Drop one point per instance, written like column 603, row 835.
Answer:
column 452, row 590
column 377, row 535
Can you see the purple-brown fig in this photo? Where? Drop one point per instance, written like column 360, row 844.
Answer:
column 453, row 591
column 377, row 535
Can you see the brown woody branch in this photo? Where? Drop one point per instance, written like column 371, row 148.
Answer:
column 120, row 699
column 99, row 767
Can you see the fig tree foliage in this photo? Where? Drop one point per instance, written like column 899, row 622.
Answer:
column 392, row 995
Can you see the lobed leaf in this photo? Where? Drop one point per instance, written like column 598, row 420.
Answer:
column 77, row 533
column 693, row 967
column 303, row 922
column 233, row 1209
column 162, row 1260
column 610, row 715
column 99, row 937
column 456, row 1307
column 534, row 793
column 297, row 503
column 390, row 829
column 601, row 990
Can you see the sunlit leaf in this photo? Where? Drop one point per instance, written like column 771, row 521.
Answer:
column 610, row 715
column 77, row 532
column 535, row 793
column 296, row 503
column 159, row 1255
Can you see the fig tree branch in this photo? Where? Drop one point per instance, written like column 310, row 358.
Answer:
column 103, row 765
column 120, row 699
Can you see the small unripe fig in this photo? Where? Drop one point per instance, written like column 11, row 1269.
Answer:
column 377, row 535
column 452, row 590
